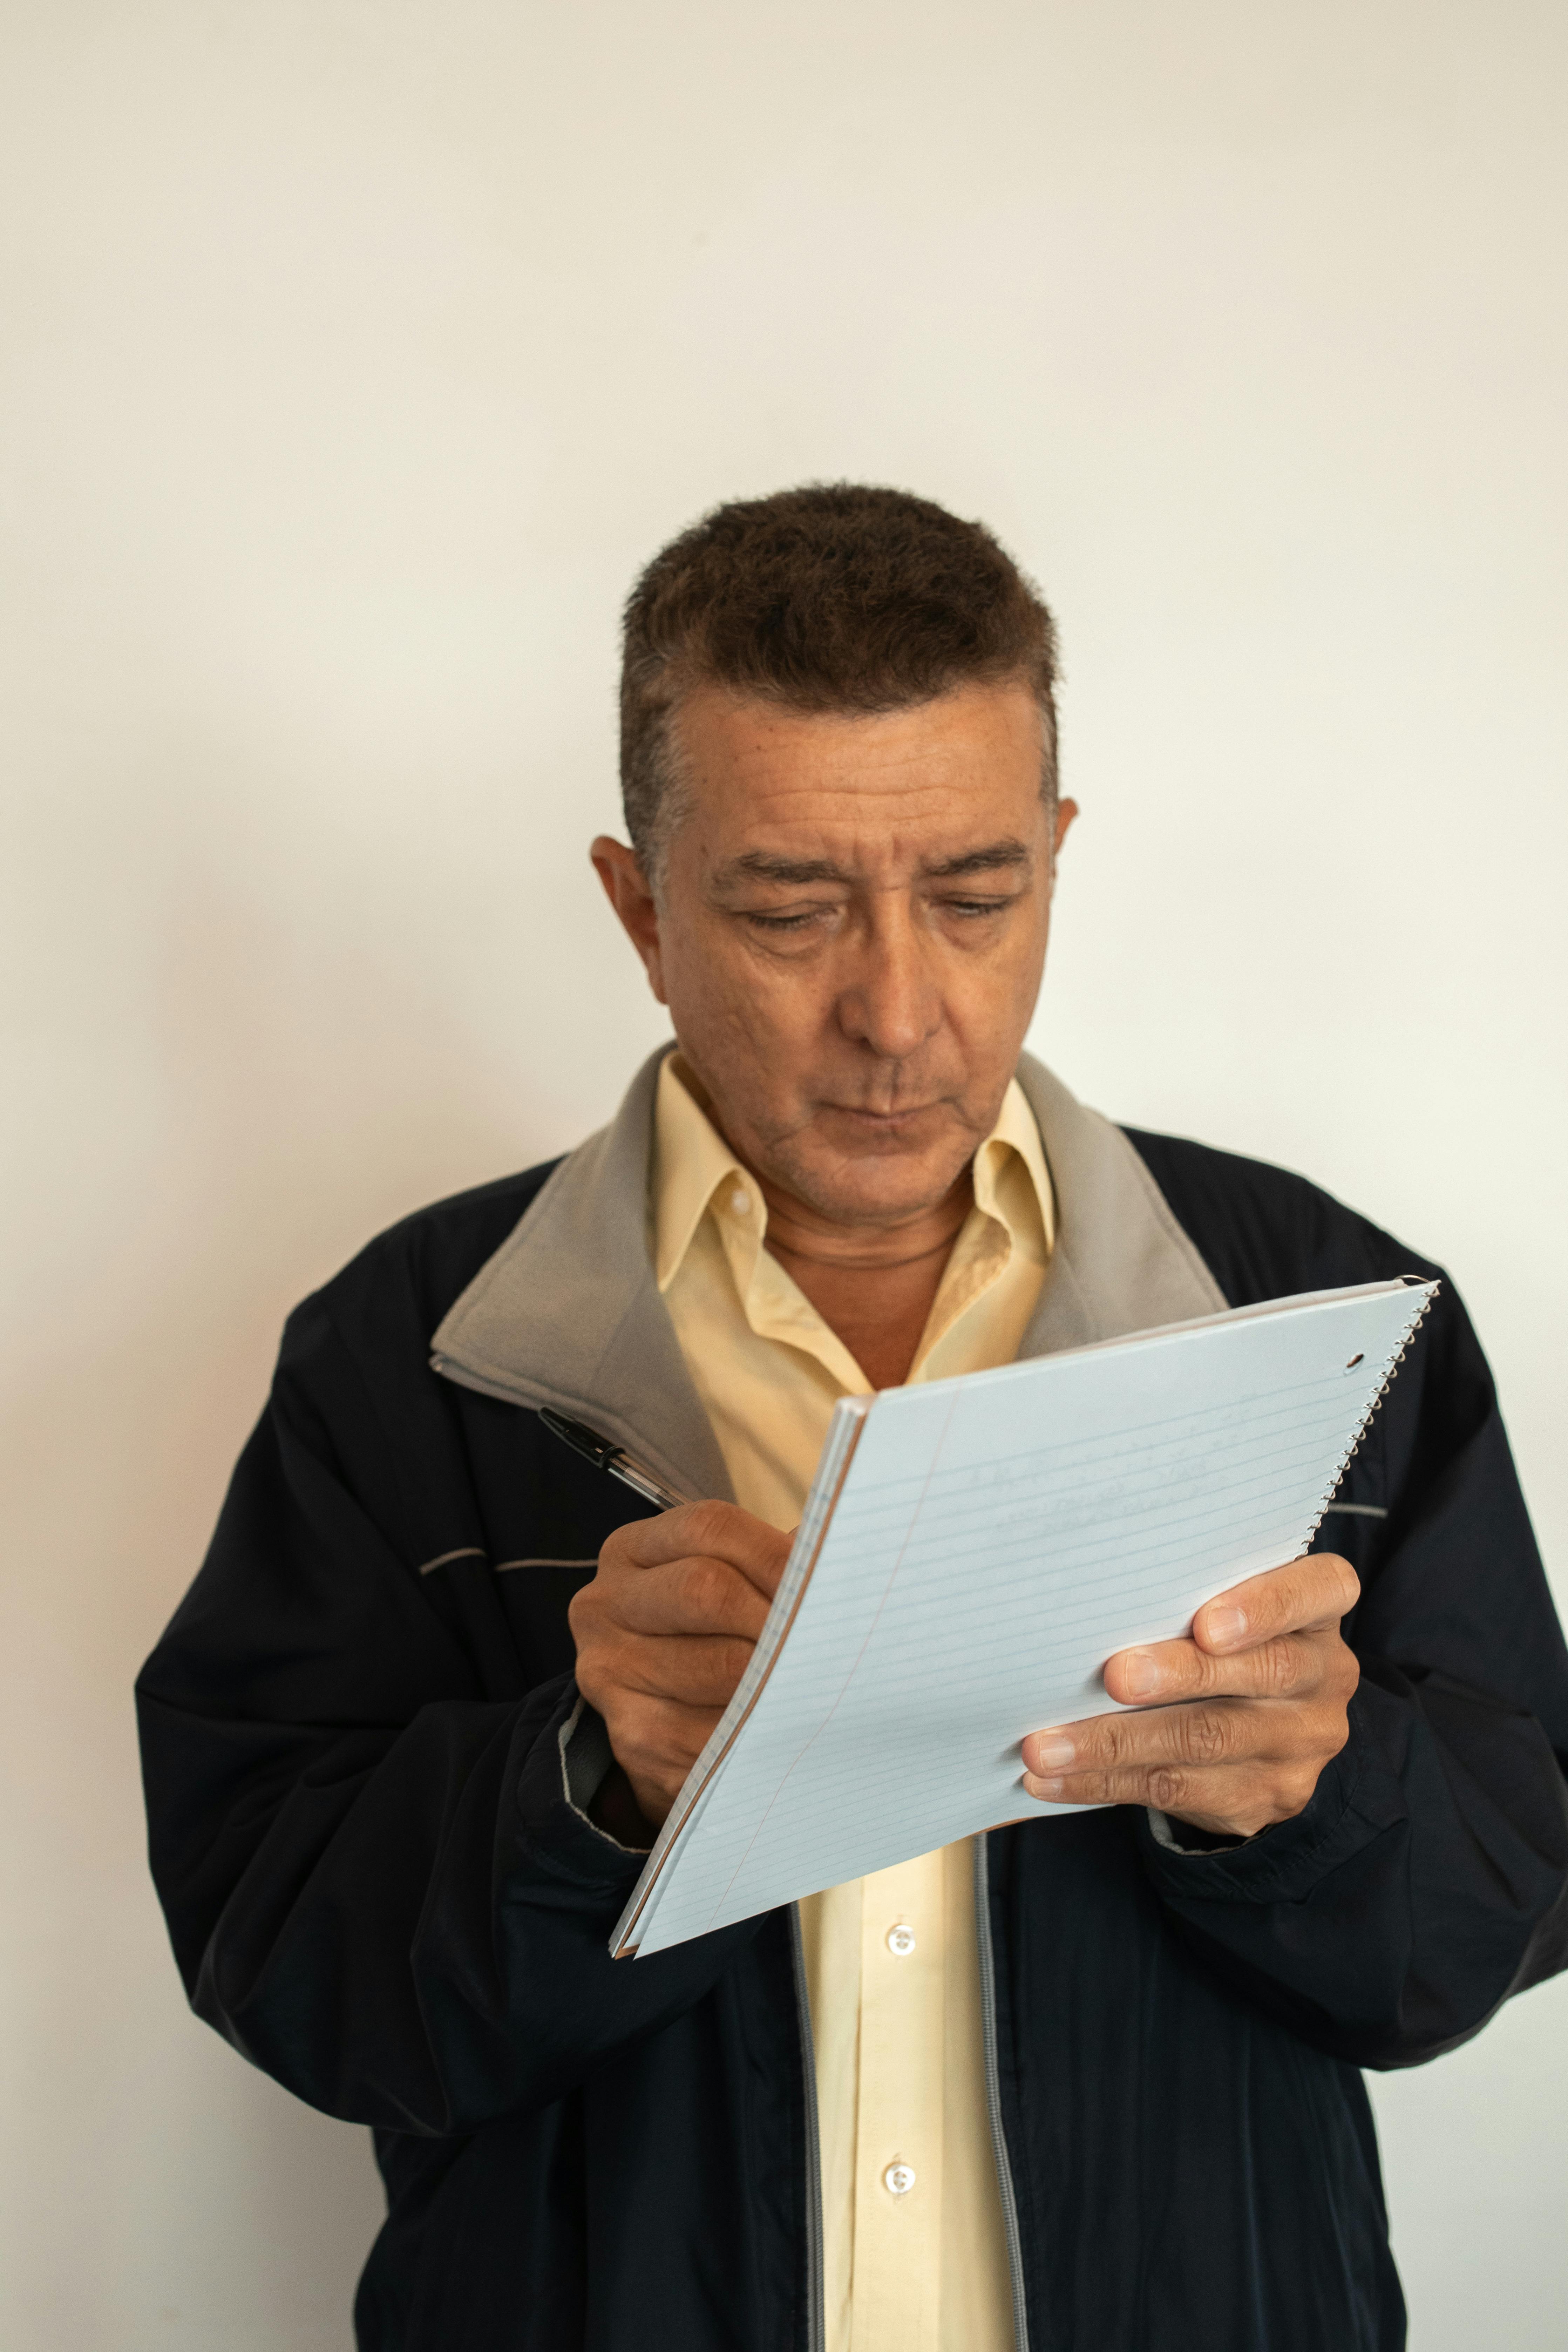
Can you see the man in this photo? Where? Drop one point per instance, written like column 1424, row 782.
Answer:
column 1089, row 2081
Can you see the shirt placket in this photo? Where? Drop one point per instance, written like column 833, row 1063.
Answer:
column 897, row 2290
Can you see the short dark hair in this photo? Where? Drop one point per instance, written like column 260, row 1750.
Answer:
column 835, row 596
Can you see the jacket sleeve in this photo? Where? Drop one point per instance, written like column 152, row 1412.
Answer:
column 376, row 1880
column 1425, row 1881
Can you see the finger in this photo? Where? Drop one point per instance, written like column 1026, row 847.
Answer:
column 688, row 1596
column 719, row 1530
column 1201, row 1735
column 655, row 1741
column 1311, row 1593
column 1178, row 1791
column 1238, row 1801
column 690, row 1670
column 1290, row 1666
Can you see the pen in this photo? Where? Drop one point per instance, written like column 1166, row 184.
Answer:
column 605, row 1454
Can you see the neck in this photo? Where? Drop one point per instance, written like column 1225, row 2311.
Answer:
column 873, row 1284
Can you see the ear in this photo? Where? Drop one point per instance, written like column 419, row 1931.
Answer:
column 627, row 889
column 1065, row 812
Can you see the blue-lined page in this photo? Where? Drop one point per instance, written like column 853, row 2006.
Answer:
column 991, row 1542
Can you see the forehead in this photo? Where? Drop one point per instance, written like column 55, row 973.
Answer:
column 900, row 785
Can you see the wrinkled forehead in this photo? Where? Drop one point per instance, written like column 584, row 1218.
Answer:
column 777, row 795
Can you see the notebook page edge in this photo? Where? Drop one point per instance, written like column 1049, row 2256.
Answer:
column 1297, row 1302
column 849, row 1418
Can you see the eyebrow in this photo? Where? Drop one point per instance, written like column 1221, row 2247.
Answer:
column 996, row 857
column 762, row 866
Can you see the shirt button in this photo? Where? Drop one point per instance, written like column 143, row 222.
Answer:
column 740, row 1202
column 898, row 2179
column 901, row 1941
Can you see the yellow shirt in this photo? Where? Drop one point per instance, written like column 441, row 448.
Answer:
column 914, row 2252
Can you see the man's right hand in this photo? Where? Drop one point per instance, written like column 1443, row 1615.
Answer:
column 663, row 1633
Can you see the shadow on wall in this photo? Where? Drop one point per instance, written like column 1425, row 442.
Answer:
column 163, row 2194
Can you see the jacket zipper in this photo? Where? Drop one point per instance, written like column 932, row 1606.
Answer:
column 994, row 2088
column 816, row 2312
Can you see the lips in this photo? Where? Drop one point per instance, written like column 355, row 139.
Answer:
column 882, row 1119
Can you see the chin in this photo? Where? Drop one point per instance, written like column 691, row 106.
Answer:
column 876, row 1187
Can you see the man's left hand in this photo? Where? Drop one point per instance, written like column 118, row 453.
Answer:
column 1239, row 1719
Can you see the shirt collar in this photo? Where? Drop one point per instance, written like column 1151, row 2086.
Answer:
column 1016, row 1131
column 693, row 1160
column 693, row 1163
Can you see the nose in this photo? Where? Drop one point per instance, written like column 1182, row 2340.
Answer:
column 890, row 1003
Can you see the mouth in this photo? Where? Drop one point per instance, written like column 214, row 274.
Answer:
column 881, row 1122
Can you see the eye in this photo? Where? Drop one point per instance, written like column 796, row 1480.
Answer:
column 785, row 922
column 970, row 909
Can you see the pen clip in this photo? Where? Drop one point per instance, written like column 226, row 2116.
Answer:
column 605, row 1454
column 577, row 1435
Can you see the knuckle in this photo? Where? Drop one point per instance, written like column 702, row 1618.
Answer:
column 1324, row 1587
column 1271, row 1600
column 706, row 1525
column 586, row 1622
column 1168, row 1788
column 592, row 1688
column 633, row 1732
column 724, row 1660
column 1347, row 1583
column 1110, row 1742
column 699, row 1584
column 1280, row 1667
column 648, row 1732
column 1299, row 1599
column 1199, row 1673
column 1334, row 1733
column 598, row 1677
column 1207, row 1735
column 616, row 1550
column 1187, row 1672
column 699, row 1594
column 704, row 1587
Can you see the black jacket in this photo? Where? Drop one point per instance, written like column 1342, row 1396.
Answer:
column 378, row 1889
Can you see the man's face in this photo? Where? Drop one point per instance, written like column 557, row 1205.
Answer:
column 850, row 934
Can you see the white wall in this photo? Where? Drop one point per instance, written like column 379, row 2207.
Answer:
column 354, row 358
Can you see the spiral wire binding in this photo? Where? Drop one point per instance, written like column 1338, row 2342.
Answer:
column 1389, row 1369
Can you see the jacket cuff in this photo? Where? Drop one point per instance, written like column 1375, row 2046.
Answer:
column 562, row 1768
column 586, row 1757
column 1181, row 1837
column 1280, row 1864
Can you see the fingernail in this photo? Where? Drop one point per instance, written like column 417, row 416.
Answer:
column 1046, row 1790
column 1052, row 1750
column 1141, row 1673
column 1226, row 1625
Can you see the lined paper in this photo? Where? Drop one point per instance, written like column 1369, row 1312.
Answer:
column 972, row 1552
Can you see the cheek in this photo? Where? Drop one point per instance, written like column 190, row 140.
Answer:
column 990, row 999
column 720, row 993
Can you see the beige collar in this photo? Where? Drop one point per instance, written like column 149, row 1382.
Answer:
column 567, row 1312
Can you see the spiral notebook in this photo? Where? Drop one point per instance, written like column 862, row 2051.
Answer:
column 972, row 1552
